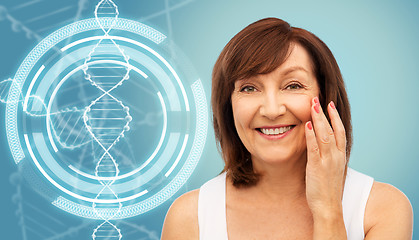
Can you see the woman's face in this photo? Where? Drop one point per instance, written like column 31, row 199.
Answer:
column 270, row 110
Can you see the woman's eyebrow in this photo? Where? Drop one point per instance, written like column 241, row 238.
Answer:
column 244, row 80
column 294, row 69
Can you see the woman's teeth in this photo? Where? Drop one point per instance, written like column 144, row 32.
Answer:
column 275, row 131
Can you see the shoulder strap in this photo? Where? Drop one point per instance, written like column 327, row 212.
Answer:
column 212, row 209
column 355, row 196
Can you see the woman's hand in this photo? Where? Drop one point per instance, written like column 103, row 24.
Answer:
column 326, row 160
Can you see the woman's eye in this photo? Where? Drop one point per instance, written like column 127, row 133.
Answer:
column 248, row 89
column 294, row 86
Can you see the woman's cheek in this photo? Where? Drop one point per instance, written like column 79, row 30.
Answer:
column 300, row 105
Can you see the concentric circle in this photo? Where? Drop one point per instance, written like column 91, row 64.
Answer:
column 156, row 154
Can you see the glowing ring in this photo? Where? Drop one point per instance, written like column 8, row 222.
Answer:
column 137, row 28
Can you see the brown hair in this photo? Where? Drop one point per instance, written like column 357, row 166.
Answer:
column 260, row 48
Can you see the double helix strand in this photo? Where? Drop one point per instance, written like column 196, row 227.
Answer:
column 106, row 118
column 66, row 124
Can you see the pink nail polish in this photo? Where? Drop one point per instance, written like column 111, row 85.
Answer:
column 317, row 108
column 332, row 104
column 309, row 125
column 316, row 100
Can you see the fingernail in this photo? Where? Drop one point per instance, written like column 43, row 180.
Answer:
column 309, row 125
column 332, row 104
column 316, row 100
column 317, row 108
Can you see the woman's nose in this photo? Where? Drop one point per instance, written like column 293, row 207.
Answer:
column 273, row 106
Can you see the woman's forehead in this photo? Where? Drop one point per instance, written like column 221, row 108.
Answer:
column 282, row 72
column 298, row 61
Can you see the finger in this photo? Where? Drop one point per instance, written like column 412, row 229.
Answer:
column 324, row 132
column 338, row 127
column 313, row 151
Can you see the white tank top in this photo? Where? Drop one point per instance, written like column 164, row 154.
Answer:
column 212, row 206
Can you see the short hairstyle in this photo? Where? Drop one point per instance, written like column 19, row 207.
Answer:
column 260, row 48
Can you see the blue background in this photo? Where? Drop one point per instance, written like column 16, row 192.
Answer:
column 374, row 42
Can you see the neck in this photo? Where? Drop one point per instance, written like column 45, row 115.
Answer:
column 282, row 181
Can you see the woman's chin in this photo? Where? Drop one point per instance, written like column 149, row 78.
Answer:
column 275, row 160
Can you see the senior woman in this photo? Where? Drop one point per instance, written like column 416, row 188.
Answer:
column 282, row 119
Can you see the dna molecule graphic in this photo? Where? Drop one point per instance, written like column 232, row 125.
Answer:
column 66, row 124
column 106, row 118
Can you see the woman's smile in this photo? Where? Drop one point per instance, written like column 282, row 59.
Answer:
column 275, row 132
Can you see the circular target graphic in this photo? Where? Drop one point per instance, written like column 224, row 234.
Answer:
column 76, row 101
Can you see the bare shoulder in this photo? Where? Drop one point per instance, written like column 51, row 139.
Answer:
column 182, row 218
column 388, row 213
